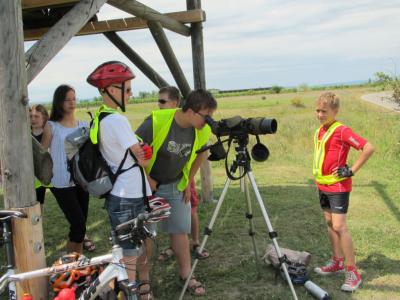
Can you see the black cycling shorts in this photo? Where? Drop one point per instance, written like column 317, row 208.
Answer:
column 337, row 203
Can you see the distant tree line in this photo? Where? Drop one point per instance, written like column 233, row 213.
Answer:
column 381, row 80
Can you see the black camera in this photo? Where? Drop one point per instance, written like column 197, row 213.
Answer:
column 238, row 130
column 237, row 126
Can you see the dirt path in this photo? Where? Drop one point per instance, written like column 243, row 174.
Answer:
column 382, row 99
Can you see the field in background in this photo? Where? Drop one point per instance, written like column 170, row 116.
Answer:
column 285, row 183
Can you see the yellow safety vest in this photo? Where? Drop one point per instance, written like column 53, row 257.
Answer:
column 162, row 121
column 38, row 184
column 94, row 129
column 319, row 156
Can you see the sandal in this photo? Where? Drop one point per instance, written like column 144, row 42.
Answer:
column 88, row 244
column 166, row 254
column 196, row 254
column 195, row 287
column 145, row 293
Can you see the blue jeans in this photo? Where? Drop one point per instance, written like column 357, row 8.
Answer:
column 121, row 210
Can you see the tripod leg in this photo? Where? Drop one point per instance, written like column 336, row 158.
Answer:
column 249, row 215
column 272, row 233
column 207, row 233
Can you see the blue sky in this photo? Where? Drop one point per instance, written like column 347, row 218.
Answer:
column 264, row 43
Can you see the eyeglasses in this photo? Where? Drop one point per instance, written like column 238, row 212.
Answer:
column 127, row 90
column 201, row 115
column 162, row 101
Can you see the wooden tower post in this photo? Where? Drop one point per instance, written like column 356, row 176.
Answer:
column 199, row 77
column 16, row 149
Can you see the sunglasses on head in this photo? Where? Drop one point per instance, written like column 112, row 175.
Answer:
column 162, row 101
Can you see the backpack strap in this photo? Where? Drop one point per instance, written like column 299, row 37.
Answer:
column 145, row 199
column 114, row 176
column 120, row 170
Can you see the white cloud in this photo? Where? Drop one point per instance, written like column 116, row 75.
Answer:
column 283, row 41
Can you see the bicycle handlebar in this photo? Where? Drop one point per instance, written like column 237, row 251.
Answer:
column 9, row 214
column 142, row 217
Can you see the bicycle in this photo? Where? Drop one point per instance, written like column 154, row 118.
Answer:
column 134, row 230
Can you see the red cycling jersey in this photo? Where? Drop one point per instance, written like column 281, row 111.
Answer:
column 336, row 150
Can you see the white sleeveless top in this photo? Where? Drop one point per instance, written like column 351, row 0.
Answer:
column 61, row 176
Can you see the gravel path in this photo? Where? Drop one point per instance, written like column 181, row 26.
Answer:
column 382, row 99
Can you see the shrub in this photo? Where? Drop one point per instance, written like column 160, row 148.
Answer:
column 276, row 89
column 303, row 87
column 297, row 102
column 396, row 91
column 393, row 82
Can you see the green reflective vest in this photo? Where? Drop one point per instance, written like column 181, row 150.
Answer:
column 162, row 121
column 319, row 156
column 94, row 129
column 38, row 184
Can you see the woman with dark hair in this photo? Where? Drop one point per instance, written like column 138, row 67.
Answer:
column 72, row 199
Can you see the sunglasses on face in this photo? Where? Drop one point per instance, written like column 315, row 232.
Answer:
column 127, row 90
column 162, row 101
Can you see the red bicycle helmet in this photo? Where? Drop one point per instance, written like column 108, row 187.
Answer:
column 158, row 204
column 109, row 73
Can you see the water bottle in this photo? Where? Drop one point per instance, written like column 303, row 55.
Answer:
column 316, row 291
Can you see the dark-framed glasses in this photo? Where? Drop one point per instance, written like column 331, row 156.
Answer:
column 162, row 101
column 127, row 90
column 200, row 114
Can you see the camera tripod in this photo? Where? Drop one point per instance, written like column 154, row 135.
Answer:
column 242, row 160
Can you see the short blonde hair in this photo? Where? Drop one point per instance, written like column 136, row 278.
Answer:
column 329, row 98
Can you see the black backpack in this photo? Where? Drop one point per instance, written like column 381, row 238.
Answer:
column 87, row 166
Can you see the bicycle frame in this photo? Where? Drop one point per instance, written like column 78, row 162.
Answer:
column 7, row 236
column 115, row 269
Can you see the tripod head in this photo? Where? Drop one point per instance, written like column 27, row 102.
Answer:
column 259, row 153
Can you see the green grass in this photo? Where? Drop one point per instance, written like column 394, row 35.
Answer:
column 290, row 197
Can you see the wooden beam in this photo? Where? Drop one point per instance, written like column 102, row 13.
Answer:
column 142, row 11
column 124, row 24
column 199, row 77
column 56, row 38
column 16, row 148
column 136, row 59
column 29, row 4
column 199, row 74
column 169, row 57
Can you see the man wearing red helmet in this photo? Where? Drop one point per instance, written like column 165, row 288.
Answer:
column 116, row 138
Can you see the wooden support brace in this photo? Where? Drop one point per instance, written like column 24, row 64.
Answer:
column 169, row 57
column 136, row 59
column 29, row 251
column 199, row 77
column 29, row 4
column 56, row 38
column 142, row 11
column 123, row 24
column 16, row 149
